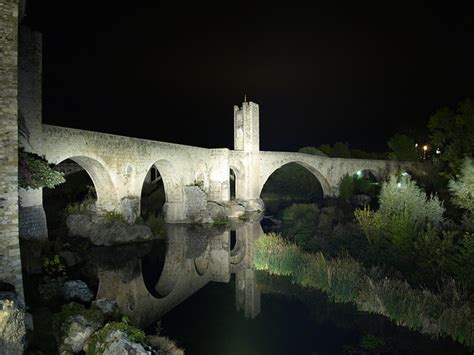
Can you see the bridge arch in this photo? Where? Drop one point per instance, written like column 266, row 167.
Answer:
column 326, row 187
column 104, row 186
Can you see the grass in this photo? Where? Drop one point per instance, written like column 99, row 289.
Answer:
column 343, row 279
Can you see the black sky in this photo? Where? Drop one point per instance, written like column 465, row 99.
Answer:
column 172, row 71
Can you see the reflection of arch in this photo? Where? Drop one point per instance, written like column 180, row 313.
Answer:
column 171, row 270
column 103, row 184
column 173, row 189
column 321, row 179
column 201, row 263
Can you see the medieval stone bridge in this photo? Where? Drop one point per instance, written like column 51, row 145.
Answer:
column 119, row 165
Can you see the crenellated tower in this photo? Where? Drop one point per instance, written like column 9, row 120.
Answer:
column 246, row 127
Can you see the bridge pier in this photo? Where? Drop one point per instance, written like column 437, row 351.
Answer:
column 32, row 215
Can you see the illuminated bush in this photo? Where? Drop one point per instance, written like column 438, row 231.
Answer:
column 34, row 172
column 398, row 198
column 462, row 188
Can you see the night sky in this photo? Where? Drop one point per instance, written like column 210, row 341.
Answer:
column 173, row 71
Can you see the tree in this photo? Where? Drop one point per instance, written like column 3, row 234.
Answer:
column 403, row 148
column 312, row 151
column 453, row 133
column 340, row 150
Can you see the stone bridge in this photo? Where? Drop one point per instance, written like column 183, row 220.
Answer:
column 118, row 165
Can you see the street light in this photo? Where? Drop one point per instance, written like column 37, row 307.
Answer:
column 425, row 148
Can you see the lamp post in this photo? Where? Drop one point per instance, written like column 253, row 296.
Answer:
column 425, row 148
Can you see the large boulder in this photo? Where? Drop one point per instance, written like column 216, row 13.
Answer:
column 77, row 290
column 117, row 343
column 76, row 331
column 106, row 233
column 12, row 324
column 106, row 306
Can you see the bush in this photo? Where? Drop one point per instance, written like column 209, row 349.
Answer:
column 346, row 187
column 34, row 172
column 370, row 222
column 462, row 188
column 397, row 198
column 96, row 342
column 74, row 309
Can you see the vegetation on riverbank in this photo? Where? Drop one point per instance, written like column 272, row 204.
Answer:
column 346, row 280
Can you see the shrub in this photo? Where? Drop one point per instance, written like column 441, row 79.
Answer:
column 112, row 216
column 156, row 224
column 300, row 221
column 74, row 309
column 462, row 188
column 34, row 172
column 397, row 198
column 96, row 343
column 346, row 187
column 53, row 266
column 370, row 222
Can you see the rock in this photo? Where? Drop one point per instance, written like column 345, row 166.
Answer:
column 29, row 321
column 216, row 210
column 166, row 345
column 70, row 258
column 104, row 233
column 253, row 205
column 117, row 343
column 235, row 209
column 77, row 331
column 12, row 324
column 130, row 208
column 51, row 288
column 77, row 290
column 106, row 306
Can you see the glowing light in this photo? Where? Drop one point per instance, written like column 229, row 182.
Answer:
column 399, row 184
column 416, row 145
column 359, row 173
column 438, row 151
column 425, row 148
column 404, row 173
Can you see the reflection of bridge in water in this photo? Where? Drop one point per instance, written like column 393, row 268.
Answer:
column 188, row 267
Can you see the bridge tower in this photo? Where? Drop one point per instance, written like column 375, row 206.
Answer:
column 246, row 127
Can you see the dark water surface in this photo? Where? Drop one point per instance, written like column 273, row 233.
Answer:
column 208, row 323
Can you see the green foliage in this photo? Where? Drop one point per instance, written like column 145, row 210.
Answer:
column 221, row 220
column 112, row 216
column 453, row 132
column 403, row 148
column 372, row 343
column 312, row 151
column 72, row 309
column 407, row 198
column 300, row 221
column 346, row 187
column 34, row 172
column 463, row 260
column 78, row 207
column 97, row 340
column 370, row 222
column 462, row 188
column 340, row 150
column 448, row 313
column 53, row 266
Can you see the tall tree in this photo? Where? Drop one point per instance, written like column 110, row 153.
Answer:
column 403, row 148
column 453, row 133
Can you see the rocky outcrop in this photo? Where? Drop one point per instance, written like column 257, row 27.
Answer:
column 102, row 232
column 77, row 330
column 117, row 343
column 77, row 290
column 12, row 324
column 106, row 306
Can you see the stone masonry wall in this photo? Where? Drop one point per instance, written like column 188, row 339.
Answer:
column 10, row 263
